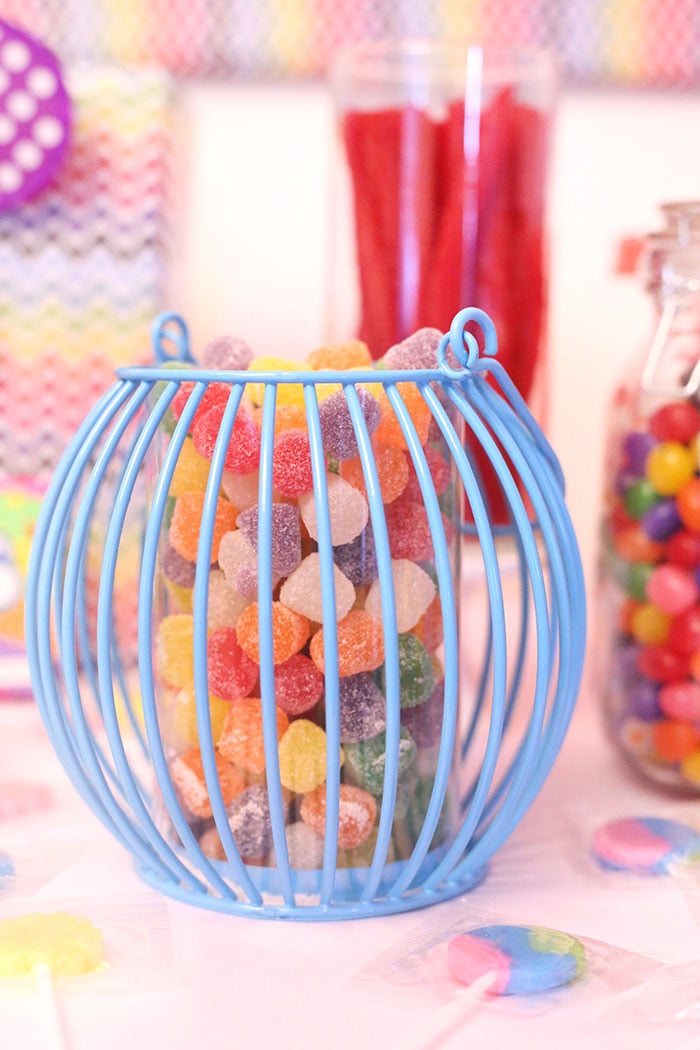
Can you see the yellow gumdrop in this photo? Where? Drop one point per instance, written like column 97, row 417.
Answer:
column 287, row 393
column 175, row 650
column 183, row 719
column 181, row 597
column 68, row 944
column 302, row 756
column 191, row 470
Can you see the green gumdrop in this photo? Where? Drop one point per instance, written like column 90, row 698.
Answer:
column 169, row 511
column 416, row 678
column 640, row 497
column 365, row 761
column 413, row 799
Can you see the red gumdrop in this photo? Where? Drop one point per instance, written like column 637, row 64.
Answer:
column 677, row 421
column 683, row 549
column 298, row 685
column 440, row 471
column 243, row 452
column 660, row 663
column 688, row 504
column 215, row 394
column 684, row 632
column 409, row 531
column 291, row 463
column 232, row 673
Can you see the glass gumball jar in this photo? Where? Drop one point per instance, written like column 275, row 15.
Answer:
column 649, row 572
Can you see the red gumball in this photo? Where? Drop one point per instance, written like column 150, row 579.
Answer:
column 660, row 663
column 683, row 549
column 684, row 632
column 677, row 421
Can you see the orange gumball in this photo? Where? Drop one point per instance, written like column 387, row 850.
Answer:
column 626, row 614
column 688, row 505
column 675, row 740
column 634, row 545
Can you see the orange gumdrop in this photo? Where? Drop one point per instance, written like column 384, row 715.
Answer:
column 357, row 812
column 186, row 524
column 392, row 471
column 242, row 741
column 187, row 772
column 360, row 644
column 675, row 740
column 429, row 628
column 389, row 430
column 340, row 356
column 290, row 632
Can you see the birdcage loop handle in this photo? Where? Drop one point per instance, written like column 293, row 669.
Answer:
column 169, row 329
column 460, row 337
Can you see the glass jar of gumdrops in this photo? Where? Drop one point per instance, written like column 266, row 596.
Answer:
column 648, row 652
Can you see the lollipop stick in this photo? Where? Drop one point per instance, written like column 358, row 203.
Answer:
column 56, row 1025
column 447, row 1019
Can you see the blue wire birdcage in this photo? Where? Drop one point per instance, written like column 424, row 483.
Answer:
column 503, row 676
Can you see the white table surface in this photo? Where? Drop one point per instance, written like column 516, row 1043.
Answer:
column 181, row 976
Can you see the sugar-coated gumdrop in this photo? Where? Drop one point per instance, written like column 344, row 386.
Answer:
column 191, row 470
column 525, row 960
column 392, row 472
column 250, row 823
column 418, row 351
column 424, row 721
column 390, row 430
column 232, row 673
column 243, row 446
column 187, row 772
column 409, row 531
column 301, row 591
column 185, row 525
column 430, row 626
column 304, row 847
column 357, row 812
column 362, row 708
column 241, row 489
column 347, row 510
column 239, row 564
column 414, row 590
column 360, row 644
column 215, row 394
column 416, row 676
column 290, row 632
column 288, row 393
column 358, row 559
column 174, row 650
column 337, row 429
column 340, row 356
column 67, row 944
column 242, row 740
column 439, row 469
column 292, row 474
column 179, row 724
column 298, row 685
column 227, row 352
column 302, row 756
column 224, row 604
column 285, row 532
column 365, row 761
column 179, row 570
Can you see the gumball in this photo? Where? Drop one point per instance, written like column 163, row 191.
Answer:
column 650, row 625
column 688, row 502
column 661, row 521
column 694, row 666
column 643, row 700
column 637, row 577
column 636, row 447
column 680, row 700
column 661, row 663
column 676, row 421
column 671, row 589
column 634, row 545
column 675, row 740
column 690, row 768
column 639, row 497
column 669, row 467
column 683, row 549
column 684, row 632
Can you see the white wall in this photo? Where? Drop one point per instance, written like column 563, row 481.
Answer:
column 253, row 255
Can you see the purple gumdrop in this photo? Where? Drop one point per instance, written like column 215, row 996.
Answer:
column 337, row 427
column 227, row 352
column 418, row 350
column 358, row 559
column 661, row 520
column 636, row 446
column 177, row 569
column 250, row 823
column 286, row 535
column 424, row 722
column 362, row 708
column 643, row 700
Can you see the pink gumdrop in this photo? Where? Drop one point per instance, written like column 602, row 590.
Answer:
column 680, row 700
column 671, row 589
column 469, row 958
